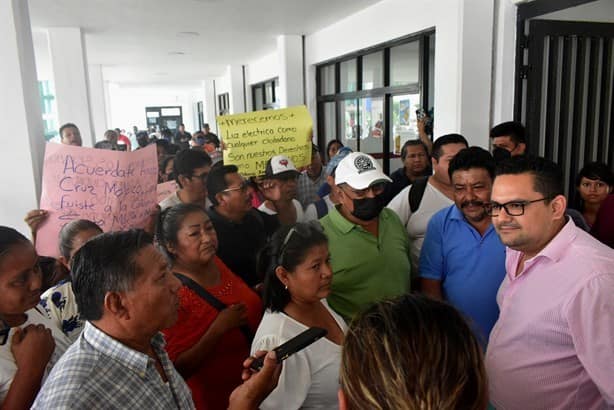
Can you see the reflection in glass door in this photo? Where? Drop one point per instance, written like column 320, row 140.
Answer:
column 350, row 126
column 403, row 125
column 372, row 127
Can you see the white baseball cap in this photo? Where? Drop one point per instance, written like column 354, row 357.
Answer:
column 278, row 165
column 359, row 171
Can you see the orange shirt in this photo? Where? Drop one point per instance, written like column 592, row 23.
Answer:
column 220, row 372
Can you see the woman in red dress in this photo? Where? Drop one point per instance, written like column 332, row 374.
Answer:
column 218, row 312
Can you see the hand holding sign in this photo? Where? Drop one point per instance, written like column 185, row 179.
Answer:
column 250, row 139
column 114, row 189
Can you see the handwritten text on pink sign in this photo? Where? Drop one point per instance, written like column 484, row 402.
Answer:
column 114, row 189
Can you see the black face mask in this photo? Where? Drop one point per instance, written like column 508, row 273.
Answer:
column 501, row 154
column 367, row 209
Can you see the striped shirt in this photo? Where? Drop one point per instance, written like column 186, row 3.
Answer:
column 99, row 372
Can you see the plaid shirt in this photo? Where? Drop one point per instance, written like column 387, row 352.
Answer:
column 98, row 372
column 307, row 189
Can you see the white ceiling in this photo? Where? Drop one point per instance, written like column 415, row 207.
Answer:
column 132, row 39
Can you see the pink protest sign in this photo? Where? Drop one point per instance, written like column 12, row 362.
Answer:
column 166, row 189
column 114, row 189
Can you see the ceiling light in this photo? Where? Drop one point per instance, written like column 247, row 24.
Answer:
column 188, row 34
column 176, row 53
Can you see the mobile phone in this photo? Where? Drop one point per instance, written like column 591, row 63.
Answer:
column 292, row 346
column 420, row 113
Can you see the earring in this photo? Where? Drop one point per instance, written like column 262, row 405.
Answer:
column 286, row 287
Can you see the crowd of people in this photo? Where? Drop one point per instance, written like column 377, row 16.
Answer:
column 464, row 280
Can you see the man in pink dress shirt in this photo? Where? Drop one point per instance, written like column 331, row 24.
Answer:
column 553, row 345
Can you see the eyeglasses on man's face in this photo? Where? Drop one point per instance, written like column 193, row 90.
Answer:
column 512, row 208
column 377, row 189
column 242, row 188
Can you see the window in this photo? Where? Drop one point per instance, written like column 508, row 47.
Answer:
column 368, row 100
column 49, row 109
column 223, row 104
column 373, row 71
column 348, row 76
column 265, row 95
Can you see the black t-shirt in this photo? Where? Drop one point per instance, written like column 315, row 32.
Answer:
column 240, row 243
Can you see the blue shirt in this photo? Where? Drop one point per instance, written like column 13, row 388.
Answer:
column 470, row 266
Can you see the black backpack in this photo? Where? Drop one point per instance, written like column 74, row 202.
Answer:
column 416, row 192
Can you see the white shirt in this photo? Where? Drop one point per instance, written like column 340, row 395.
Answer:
column 416, row 224
column 300, row 215
column 8, row 367
column 309, row 378
column 173, row 199
column 61, row 306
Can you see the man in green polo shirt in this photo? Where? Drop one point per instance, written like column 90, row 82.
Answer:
column 368, row 243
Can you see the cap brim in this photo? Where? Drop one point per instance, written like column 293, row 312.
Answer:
column 365, row 180
column 290, row 172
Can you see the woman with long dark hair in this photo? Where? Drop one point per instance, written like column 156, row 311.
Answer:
column 297, row 281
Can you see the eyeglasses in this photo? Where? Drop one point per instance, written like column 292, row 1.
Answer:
column 375, row 188
column 301, row 229
column 4, row 333
column 512, row 208
column 242, row 188
column 203, row 177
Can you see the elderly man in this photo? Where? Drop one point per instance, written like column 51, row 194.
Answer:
column 127, row 294
column 462, row 258
column 552, row 345
column 415, row 157
column 367, row 243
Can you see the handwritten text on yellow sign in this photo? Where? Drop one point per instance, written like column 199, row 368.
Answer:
column 251, row 139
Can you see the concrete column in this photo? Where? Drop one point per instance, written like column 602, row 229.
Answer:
column 69, row 61
column 504, row 62
column 248, row 91
column 290, row 53
column 476, row 36
column 98, row 101
column 237, row 92
column 19, row 110
column 210, row 112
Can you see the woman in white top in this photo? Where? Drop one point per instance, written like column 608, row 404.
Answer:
column 59, row 301
column 29, row 342
column 297, row 281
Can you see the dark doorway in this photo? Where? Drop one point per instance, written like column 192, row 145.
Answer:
column 565, row 89
column 164, row 117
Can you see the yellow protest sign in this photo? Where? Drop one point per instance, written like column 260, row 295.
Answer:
column 252, row 138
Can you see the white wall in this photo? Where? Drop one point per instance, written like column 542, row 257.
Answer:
column 454, row 53
column 20, row 108
column 263, row 69
column 290, row 52
column 598, row 11
column 44, row 71
column 127, row 105
column 97, row 99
